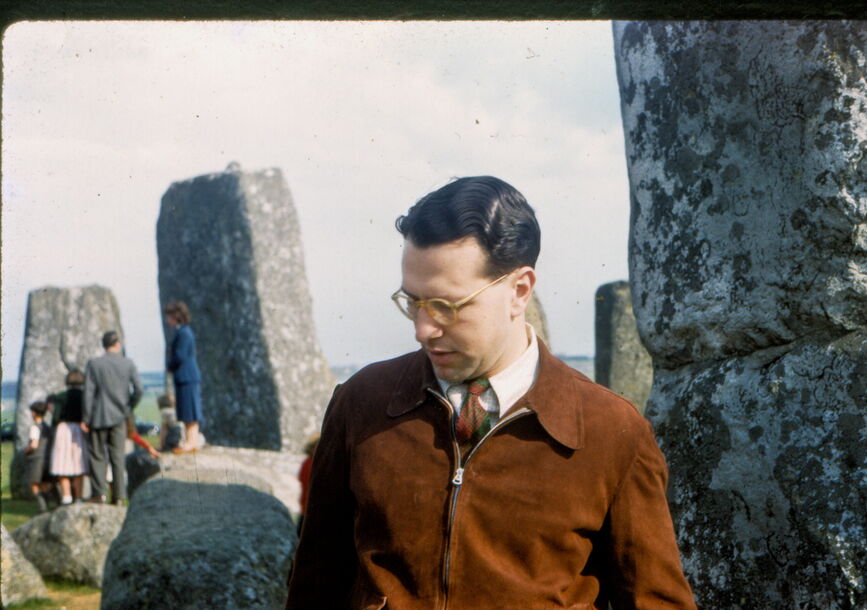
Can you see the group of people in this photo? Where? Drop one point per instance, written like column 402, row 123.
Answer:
column 93, row 418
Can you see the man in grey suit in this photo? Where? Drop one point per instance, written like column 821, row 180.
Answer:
column 111, row 389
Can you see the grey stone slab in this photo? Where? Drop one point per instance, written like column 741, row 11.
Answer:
column 229, row 246
column 748, row 178
column 745, row 147
column 208, row 545
column 19, row 579
column 621, row 362
column 62, row 332
column 70, row 543
column 768, row 486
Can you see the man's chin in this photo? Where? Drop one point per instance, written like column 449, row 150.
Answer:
column 449, row 373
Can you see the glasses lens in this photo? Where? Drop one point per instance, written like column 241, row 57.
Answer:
column 441, row 311
column 407, row 306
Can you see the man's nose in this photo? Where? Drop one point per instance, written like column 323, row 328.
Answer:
column 425, row 327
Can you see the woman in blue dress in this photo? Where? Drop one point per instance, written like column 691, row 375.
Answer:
column 185, row 373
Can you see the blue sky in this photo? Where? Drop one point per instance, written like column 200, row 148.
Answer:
column 363, row 118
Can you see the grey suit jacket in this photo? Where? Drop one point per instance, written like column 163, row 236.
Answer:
column 107, row 397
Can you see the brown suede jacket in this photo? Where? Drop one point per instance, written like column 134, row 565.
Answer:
column 561, row 505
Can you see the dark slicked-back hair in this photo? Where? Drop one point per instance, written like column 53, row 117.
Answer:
column 483, row 207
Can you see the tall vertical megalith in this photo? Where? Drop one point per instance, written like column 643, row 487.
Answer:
column 746, row 147
column 63, row 330
column 229, row 245
column 621, row 362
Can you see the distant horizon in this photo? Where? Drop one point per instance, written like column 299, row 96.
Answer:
column 341, row 366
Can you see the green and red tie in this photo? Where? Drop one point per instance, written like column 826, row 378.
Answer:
column 473, row 421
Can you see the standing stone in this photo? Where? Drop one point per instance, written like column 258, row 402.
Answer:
column 71, row 542
column 63, row 331
column 745, row 146
column 537, row 319
column 200, row 545
column 229, row 246
column 622, row 364
column 19, row 580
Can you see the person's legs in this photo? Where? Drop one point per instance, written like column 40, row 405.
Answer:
column 97, row 461
column 116, row 445
column 77, row 484
column 192, row 434
column 65, row 490
column 36, row 488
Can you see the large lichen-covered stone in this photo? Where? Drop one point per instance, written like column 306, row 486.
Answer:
column 767, row 487
column 200, row 545
column 746, row 153
column 621, row 362
column 229, row 246
column 70, row 543
column 19, row 579
column 272, row 472
column 745, row 144
column 62, row 332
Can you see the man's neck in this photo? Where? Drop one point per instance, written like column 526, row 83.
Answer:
column 517, row 343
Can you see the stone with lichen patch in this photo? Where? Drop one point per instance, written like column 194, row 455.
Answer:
column 745, row 146
column 229, row 245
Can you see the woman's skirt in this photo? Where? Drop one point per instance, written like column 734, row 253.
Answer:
column 69, row 454
column 188, row 402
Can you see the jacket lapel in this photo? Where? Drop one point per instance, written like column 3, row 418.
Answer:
column 556, row 398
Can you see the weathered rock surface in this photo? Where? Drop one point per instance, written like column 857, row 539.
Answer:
column 19, row 580
column 537, row 319
column 229, row 246
column 767, row 456
column 271, row 472
column 71, row 542
column 208, row 546
column 63, row 331
column 621, row 362
column 745, row 145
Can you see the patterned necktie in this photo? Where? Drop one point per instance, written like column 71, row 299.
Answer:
column 473, row 422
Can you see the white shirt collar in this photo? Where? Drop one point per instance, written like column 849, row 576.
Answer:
column 507, row 386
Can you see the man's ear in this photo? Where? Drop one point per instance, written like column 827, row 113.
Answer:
column 522, row 289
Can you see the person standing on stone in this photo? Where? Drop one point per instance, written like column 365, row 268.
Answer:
column 184, row 368
column 111, row 389
column 69, row 451
column 481, row 471
column 36, row 454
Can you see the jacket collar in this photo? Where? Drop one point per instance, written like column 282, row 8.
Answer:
column 556, row 398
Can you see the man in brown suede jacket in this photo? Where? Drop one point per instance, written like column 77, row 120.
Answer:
column 481, row 471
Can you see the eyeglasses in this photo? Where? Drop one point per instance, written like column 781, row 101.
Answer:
column 441, row 311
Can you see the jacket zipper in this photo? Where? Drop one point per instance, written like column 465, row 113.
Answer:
column 458, row 479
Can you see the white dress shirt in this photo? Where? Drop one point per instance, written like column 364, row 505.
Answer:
column 507, row 386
